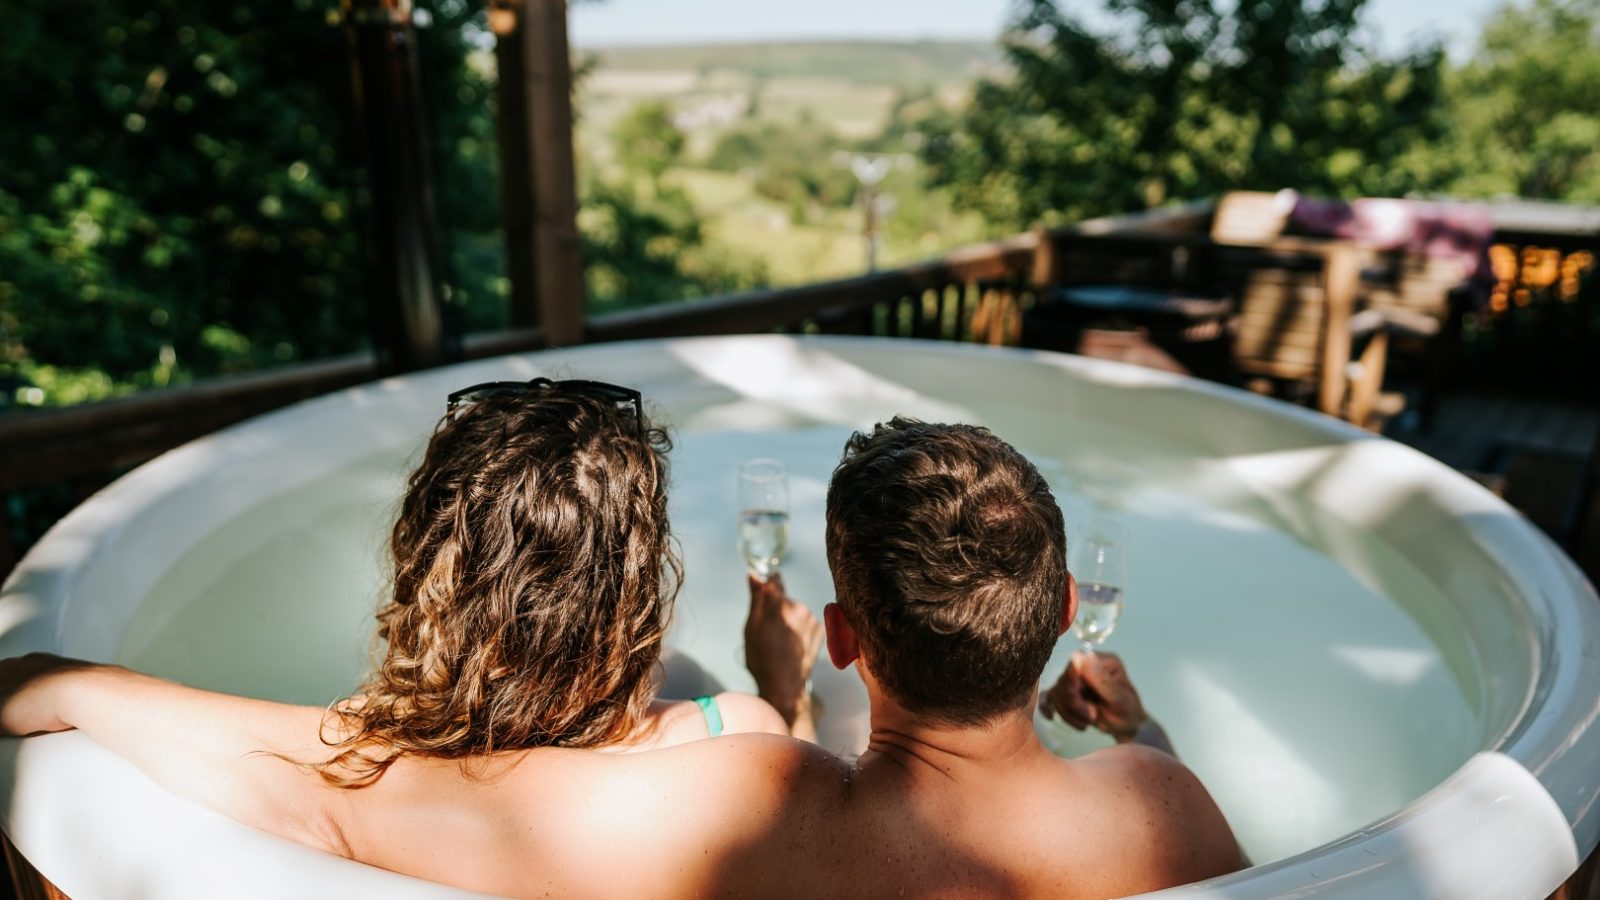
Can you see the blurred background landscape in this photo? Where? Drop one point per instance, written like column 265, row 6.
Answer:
column 180, row 194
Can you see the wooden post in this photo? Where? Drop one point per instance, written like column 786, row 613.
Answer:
column 1046, row 260
column 1366, row 388
column 1340, row 274
column 402, row 259
column 1583, row 884
column 538, row 183
column 1586, row 500
column 8, row 541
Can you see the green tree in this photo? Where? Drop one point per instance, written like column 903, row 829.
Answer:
column 645, row 247
column 790, row 163
column 1526, row 105
column 175, row 197
column 181, row 193
column 648, row 142
column 1182, row 99
column 642, row 240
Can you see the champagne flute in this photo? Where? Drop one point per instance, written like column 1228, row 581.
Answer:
column 763, row 515
column 1100, row 564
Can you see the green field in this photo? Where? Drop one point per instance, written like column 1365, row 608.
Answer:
column 859, row 62
column 845, row 90
column 830, row 245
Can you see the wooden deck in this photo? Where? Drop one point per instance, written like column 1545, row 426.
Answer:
column 1484, row 432
column 1534, row 452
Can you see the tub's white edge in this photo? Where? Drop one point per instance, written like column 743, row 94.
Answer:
column 1557, row 748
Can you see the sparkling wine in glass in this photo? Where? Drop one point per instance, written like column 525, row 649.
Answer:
column 763, row 515
column 1100, row 563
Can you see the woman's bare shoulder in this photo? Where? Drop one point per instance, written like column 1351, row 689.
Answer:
column 674, row 722
column 749, row 714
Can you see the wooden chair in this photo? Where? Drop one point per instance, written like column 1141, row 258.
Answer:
column 1293, row 332
column 1415, row 304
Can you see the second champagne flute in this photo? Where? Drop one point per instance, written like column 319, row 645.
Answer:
column 1100, row 564
column 763, row 515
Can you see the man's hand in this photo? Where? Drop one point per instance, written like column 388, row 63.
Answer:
column 1095, row 690
column 781, row 641
column 30, row 701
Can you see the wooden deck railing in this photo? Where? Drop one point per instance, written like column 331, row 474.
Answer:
column 83, row 446
column 932, row 300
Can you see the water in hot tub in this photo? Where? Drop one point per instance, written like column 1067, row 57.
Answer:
column 1280, row 647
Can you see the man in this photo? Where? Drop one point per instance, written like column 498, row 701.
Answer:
column 948, row 555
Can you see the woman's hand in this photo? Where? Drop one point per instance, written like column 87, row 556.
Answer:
column 31, row 692
column 781, row 641
column 1095, row 690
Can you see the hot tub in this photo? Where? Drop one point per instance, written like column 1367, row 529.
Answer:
column 1385, row 676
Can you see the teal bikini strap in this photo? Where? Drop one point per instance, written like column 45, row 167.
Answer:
column 708, row 707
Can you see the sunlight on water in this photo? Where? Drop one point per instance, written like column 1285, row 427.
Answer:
column 1298, row 686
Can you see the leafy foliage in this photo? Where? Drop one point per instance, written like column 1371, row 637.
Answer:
column 643, row 245
column 642, row 239
column 647, row 141
column 176, row 197
column 792, row 164
column 1526, row 106
column 182, row 193
column 1185, row 99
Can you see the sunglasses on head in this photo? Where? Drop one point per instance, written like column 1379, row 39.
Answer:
column 615, row 393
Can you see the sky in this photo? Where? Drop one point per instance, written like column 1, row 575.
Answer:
column 601, row 22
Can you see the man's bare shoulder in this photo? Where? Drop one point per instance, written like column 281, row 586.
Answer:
column 1182, row 829
column 1140, row 763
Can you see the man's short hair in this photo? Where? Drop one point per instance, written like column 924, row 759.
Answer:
column 948, row 554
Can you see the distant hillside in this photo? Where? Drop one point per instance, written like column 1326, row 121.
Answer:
column 916, row 63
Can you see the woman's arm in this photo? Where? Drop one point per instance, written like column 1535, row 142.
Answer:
column 499, row 826
column 781, row 640
column 212, row 749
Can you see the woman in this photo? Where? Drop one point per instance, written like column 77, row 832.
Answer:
column 533, row 582
column 534, row 577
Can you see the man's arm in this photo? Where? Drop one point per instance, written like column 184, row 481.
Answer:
column 1095, row 690
column 212, row 749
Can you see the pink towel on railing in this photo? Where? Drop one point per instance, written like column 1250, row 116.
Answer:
column 1461, row 232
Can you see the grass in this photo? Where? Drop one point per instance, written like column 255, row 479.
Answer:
column 828, row 245
column 847, row 88
column 894, row 64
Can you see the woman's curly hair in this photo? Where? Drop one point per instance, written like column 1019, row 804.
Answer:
column 533, row 581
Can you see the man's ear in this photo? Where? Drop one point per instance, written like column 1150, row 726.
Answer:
column 1069, row 605
column 843, row 648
